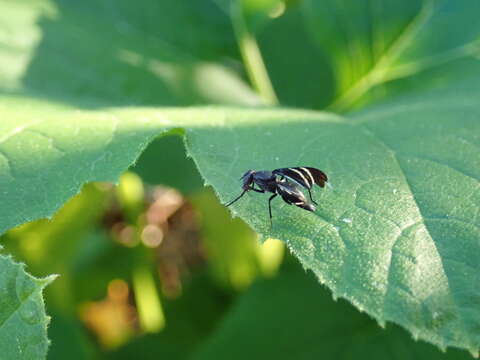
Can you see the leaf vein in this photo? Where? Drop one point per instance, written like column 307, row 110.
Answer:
column 379, row 70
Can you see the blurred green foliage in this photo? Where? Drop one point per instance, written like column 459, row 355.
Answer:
column 303, row 322
column 156, row 267
column 165, row 162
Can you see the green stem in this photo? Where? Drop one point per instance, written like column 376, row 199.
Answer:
column 149, row 305
column 252, row 58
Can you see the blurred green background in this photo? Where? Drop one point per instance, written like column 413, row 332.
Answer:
column 156, row 268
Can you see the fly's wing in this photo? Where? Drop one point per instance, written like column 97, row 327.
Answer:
column 319, row 177
column 303, row 176
column 293, row 196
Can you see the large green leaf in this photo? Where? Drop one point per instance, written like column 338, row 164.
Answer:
column 23, row 323
column 398, row 235
column 38, row 153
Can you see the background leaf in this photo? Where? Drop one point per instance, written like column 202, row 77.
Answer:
column 385, row 48
column 124, row 54
column 182, row 173
column 347, row 53
column 305, row 323
column 311, row 85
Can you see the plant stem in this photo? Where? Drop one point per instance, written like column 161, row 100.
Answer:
column 252, row 58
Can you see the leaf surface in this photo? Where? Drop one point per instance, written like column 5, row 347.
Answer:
column 23, row 323
column 398, row 235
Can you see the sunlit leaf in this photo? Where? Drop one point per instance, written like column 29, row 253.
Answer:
column 398, row 234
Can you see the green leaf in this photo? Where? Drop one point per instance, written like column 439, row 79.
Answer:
column 310, row 85
column 23, row 322
column 398, row 235
column 45, row 160
column 292, row 317
column 124, row 53
column 389, row 47
column 69, row 338
column 346, row 54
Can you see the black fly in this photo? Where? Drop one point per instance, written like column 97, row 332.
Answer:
column 285, row 182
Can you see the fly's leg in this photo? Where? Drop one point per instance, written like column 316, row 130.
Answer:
column 270, row 208
column 310, row 194
column 243, row 193
column 257, row 190
column 237, row 198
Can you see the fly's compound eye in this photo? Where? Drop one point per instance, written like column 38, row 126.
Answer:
column 249, row 173
column 247, row 179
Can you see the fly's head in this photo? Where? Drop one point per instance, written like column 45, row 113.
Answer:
column 247, row 179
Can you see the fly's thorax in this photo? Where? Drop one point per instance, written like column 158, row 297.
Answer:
column 265, row 180
column 264, row 175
